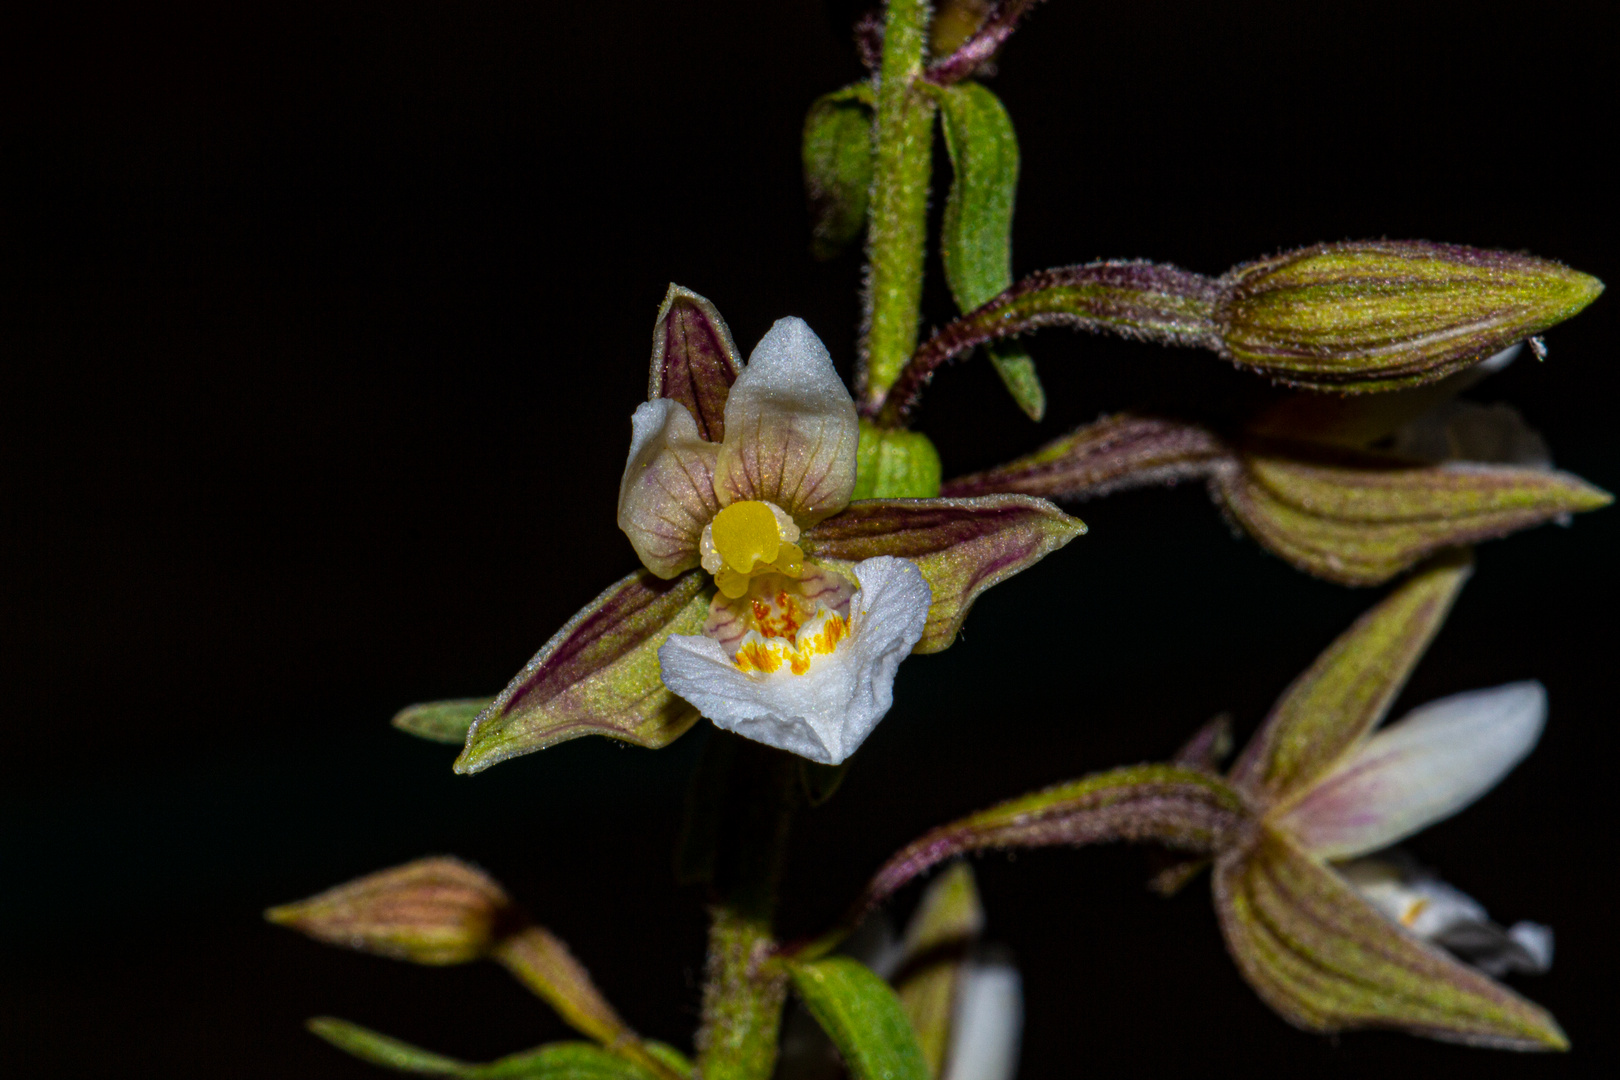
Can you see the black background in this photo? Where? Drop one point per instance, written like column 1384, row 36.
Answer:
column 321, row 328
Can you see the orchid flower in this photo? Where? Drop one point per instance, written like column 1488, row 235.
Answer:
column 768, row 601
column 1330, row 939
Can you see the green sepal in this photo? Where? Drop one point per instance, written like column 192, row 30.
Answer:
column 441, row 721
column 962, row 546
column 1326, row 961
column 1360, row 519
column 946, row 924
column 598, row 675
column 837, row 155
column 891, row 463
column 862, row 1016
column 554, row 1061
column 1348, row 689
column 976, row 235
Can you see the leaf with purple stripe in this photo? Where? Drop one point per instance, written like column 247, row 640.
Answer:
column 598, row 675
column 962, row 546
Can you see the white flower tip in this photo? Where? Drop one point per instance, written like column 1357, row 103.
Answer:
column 1537, row 942
column 988, row 1023
column 1419, row 770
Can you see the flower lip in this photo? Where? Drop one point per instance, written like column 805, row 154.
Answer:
column 823, row 706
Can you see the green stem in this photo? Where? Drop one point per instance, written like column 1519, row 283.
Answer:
column 897, row 230
column 742, row 996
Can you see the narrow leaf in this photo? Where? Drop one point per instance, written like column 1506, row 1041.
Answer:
column 1133, row 299
column 441, row 721
column 1113, row 454
column 1326, row 960
column 598, row 675
column 976, row 235
column 962, row 546
column 862, row 1017
column 1359, row 519
column 542, row 962
column 378, row 1049
column 694, row 360
column 1344, row 694
column 891, row 463
column 837, row 153
column 554, row 1061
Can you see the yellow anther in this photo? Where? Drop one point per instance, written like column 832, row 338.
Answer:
column 745, row 533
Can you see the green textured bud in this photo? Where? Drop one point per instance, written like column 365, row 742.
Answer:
column 894, row 464
column 1375, row 315
column 432, row 911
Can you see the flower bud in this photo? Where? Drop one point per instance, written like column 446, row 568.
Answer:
column 431, row 911
column 1375, row 315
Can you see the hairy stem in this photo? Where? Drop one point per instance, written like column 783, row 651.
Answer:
column 897, row 230
column 742, row 996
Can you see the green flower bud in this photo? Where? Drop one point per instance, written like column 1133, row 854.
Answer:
column 1375, row 315
column 431, row 911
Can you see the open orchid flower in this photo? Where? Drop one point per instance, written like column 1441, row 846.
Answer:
column 791, row 654
column 1332, row 939
column 768, row 600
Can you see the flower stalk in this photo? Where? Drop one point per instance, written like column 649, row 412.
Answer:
column 743, row 997
column 897, row 230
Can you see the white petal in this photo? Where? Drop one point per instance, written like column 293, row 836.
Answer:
column 826, row 713
column 987, row 1024
column 791, row 430
column 1537, row 942
column 1420, row 770
column 666, row 496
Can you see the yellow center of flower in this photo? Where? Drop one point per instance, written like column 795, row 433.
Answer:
column 819, row 637
column 749, row 538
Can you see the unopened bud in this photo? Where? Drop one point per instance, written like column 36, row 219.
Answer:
column 432, row 911
column 895, row 464
column 1375, row 315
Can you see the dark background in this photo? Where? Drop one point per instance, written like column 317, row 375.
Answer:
column 321, row 328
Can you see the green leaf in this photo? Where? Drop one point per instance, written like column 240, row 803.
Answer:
column 1324, row 959
column 837, row 153
column 1347, row 690
column 378, row 1049
column 1360, row 519
column 598, row 675
column 894, row 464
column 862, row 1017
column 554, row 1061
column 441, row 721
column 976, row 235
column 962, row 546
